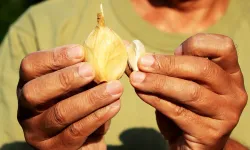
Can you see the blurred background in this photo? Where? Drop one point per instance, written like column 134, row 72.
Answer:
column 10, row 10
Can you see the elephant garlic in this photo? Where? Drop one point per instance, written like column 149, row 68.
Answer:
column 106, row 52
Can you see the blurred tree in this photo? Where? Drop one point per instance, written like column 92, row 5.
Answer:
column 10, row 10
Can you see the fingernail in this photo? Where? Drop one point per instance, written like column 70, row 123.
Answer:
column 114, row 88
column 85, row 71
column 116, row 104
column 75, row 52
column 178, row 51
column 147, row 61
column 138, row 77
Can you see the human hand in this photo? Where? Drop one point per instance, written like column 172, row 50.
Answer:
column 53, row 112
column 199, row 94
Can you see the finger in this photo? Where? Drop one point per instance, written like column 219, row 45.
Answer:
column 189, row 122
column 167, row 127
column 188, row 67
column 74, row 136
column 94, row 143
column 178, row 51
column 42, row 62
column 79, row 106
column 188, row 93
column 219, row 48
column 103, row 129
column 42, row 91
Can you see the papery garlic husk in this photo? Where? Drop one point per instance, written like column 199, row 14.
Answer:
column 135, row 51
column 106, row 52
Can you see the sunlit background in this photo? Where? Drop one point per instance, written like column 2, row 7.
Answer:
column 10, row 10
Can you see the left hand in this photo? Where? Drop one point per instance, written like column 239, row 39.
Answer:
column 199, row 94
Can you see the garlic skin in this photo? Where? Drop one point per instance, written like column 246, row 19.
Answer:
column 106, row 52
column 135, row 51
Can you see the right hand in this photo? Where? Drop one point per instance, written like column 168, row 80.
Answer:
column 52, row 114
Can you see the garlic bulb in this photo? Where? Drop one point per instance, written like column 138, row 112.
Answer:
column 135, row 50
column 106, row 52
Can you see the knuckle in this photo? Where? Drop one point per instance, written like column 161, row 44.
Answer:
column 159, row 84
column 195, row 93
column 171, row 64
column 215, row 135
column 36, row 141
column 194, row 42
column 58, row 116
column 228, row 44
column 156, row 101
column 58, row 56
column 30, row 138
column 74, row 130
column 207, row 70
column 216, row 131
column 98, row 115
column 168, row 64
column 28, row 93
column 233, row 119
column 165, row 64
column 26, row 66
column 158, row 59
column 244, row 99
column 91, row 99
column 94, row 97
column 179, row 111
column 65, row 80
column 220, row 131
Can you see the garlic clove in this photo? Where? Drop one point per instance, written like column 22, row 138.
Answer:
column 135, row 51
column 106, row 52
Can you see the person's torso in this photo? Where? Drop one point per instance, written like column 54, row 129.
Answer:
column 61, row 22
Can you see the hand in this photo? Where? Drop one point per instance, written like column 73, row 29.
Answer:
column 199, row 94
column 57, row 109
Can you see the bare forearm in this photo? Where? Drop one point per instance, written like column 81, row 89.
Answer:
column 234, row 145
